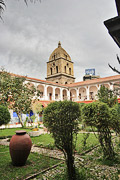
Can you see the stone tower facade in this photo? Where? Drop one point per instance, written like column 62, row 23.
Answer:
column 60, row 67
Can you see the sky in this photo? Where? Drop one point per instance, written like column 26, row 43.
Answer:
column 29, row 34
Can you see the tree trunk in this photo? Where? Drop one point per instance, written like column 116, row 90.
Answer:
column 19, row 116
column 106, row 142
column 70, row 166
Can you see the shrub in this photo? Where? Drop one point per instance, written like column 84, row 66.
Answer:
column 61, row 119
column 97, row 114
column 4, row 115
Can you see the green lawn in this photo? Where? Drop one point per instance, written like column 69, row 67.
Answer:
column 10, row 132
column 44, row 140
column 47, row 141
column 91, row 142
column 35, row 163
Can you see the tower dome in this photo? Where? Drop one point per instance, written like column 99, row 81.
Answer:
column 60, row 67
column 59, row 52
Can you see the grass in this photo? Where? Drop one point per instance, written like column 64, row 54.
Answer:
column 94, row 164
column 91, row 142
column 8, row 132
column 35, row 163
column 46, row 140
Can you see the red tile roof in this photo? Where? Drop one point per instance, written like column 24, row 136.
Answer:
column 81, row 83
column 95, row 81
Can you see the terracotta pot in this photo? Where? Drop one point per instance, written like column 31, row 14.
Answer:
column 20, row 146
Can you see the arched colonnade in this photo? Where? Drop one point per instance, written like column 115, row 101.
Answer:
column 57, row 93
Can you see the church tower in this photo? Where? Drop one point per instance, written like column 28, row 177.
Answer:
column 60, row 67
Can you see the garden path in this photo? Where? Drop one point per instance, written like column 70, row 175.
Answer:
column 47, row 152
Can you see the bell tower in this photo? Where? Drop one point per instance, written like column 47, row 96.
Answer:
column 60, row 67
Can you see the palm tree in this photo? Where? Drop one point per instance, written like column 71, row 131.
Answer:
column 3, row 5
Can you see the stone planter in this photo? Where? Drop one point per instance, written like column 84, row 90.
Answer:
column 34, row 133
column 20, row 146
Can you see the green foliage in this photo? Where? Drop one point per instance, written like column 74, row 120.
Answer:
column 61, row 119
column 97, row 114
column 4, row 115
column 115, row 118
column 107, row 96
column 84, row 140
column 33, row 117
column 15, row 93
column 37, row 107
column 25, row 122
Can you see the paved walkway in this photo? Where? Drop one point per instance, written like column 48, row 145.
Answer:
column 4, row 142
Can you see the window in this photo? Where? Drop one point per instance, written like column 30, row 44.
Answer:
column 56, row 69
column 65, row 69
column 69, row 70
column 51, row 70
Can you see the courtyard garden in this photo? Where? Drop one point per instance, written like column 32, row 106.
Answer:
column 89, row 160
column 76, row 141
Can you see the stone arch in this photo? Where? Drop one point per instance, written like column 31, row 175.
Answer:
column 116, row 88
column 82, row 94
column 106, row 85
column 73, row 94
column 30, row 85
column 41, row 89
column 116, row 85
column 57, row 93
column 92, row 92
column 64, row 94
column 50, row 93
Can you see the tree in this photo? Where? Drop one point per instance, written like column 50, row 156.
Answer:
column 115, row 118
column 4, row 115
column 37, row 107
column 3, row 5
column 107, row 96
column 114, row 69
column 61, row 119
column 15, row 94
column 97, row 114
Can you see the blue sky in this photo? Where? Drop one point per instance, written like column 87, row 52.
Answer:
column 30, row 33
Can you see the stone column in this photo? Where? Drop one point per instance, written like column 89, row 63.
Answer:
column 87, row 90
column 111, row 87
column 68, row 94
column 45, row 93
column 77, row 91
column 53, row 95
column 61, row 97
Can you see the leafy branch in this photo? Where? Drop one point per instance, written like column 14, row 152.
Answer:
column 114, row 69
column 3, row 5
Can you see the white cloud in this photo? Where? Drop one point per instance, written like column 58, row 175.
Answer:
column 30, row 34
